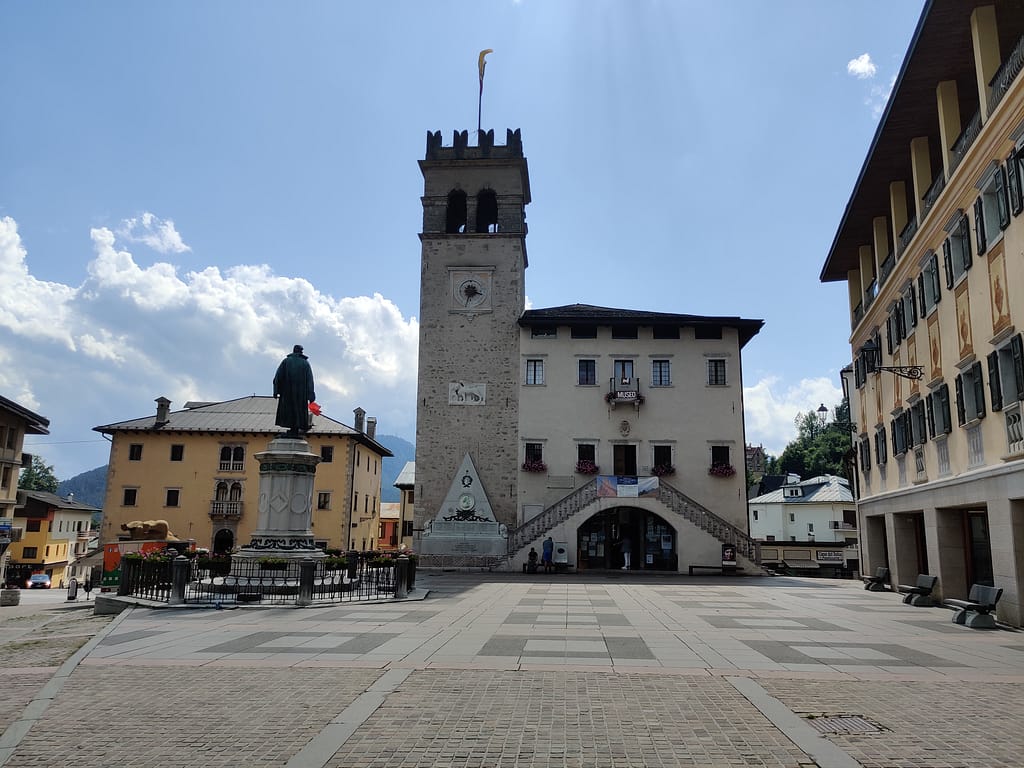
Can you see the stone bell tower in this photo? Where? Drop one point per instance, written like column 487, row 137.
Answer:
column 472, row 294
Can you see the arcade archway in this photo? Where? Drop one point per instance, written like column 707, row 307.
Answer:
column 223, row 541
column 651, row 541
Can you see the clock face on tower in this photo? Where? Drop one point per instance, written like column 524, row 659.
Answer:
column 471, row 290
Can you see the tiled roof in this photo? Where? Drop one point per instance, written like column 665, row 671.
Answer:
column 823, row 489
column 53, row 500
column 35, row 424
column 250, row 415
column 578, row 314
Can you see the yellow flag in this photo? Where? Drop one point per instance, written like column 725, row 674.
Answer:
column 483, row 64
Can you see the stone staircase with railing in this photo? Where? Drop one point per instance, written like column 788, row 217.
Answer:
column 577, row 501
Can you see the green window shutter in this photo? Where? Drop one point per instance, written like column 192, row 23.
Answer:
column 964, row 233
column 1013, row 183
column 930, row 410
column 922, row 302
column 936, row 283
column 961, row 415
column 947, row 421
column 889, row 334
column 1017, row 353
column 979, row 224
column 979, row 390
column 1002, row 199
column 947, row 259
column 995, row 389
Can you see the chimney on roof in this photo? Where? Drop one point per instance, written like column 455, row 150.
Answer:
column 71, row 497
column 371, row 427
column 360, row 414
column 163, row 411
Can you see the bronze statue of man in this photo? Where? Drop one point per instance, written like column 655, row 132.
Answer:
column 293, row 388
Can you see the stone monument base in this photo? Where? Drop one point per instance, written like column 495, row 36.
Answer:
column 464, row 538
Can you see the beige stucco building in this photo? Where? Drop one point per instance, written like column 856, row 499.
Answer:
column 197, row 469
column 617, row 433
column 930, row 246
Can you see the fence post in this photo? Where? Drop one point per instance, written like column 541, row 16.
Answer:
column 307, row 571
column 179, row 579
column 401, row 577
column 124, row 584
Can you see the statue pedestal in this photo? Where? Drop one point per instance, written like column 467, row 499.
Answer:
column 285, row 511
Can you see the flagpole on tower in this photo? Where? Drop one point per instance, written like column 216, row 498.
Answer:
column 481, row 65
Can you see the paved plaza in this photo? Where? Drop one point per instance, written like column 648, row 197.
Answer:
column 515, row 670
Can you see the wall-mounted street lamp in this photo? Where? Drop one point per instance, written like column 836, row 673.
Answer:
column 823, row 420
column 873, row 356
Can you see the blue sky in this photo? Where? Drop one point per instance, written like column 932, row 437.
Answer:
column 187, row 189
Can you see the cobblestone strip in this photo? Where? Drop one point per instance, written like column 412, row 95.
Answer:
column 36, row 708
column 319, row 750
column 825, row 753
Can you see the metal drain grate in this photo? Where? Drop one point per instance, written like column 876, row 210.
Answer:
column 843, row 724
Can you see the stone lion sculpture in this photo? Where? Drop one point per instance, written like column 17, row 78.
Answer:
column 149, row 529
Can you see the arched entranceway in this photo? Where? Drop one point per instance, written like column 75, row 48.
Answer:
column 651, row 541
column 223, row 541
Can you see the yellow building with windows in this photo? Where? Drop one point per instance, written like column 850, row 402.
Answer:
column 930, row 246
column 196, row 468
column 16, row 421
column 52, row 534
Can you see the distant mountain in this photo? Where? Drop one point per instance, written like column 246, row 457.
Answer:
column 404, row 451
column 89, row 487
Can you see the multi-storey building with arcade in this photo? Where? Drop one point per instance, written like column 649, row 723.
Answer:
column 931, row 246
column 613, row 431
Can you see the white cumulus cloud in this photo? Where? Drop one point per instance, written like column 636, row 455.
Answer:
column 770, row 408
column 102, row 351
column 158, row 234
column 862, row 67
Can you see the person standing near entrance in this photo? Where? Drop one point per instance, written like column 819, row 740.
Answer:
column 627, row 550
column 547, row 555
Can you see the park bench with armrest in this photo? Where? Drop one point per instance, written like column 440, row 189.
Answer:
column 920, row 594
column 879, row 582
column 976, row 610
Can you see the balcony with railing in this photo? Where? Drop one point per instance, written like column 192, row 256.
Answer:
column 225, row 509
column 1005, row 75
column 1014, row 432
column 232, row 466
column 965, row 140
column 624, row 390
column 906, row 235
column 938, row 184
column 886, row 269
column 858, row 314
column 869, row 294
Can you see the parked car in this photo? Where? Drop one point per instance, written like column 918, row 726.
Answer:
column 38, row 581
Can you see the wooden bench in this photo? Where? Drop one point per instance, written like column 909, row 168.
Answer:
column 879, row 582
column 920, row 594
column 723, row 569
column 976, row 611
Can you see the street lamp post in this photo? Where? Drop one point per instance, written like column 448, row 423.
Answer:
column 873, row 355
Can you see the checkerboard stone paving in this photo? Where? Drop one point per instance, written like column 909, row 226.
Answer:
column 472, row 719
column 203, row 717
column 933, row 724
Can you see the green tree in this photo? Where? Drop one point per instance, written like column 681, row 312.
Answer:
column 821, row 447
column 38, row 477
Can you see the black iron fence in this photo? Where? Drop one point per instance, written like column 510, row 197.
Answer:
column 240, row 581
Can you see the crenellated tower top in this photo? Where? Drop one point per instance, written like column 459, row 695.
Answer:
column 485, row 148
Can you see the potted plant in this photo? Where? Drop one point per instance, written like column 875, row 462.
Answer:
column 663, row 470
column 722, row 470
column 218, row 564
column 533, row 465
column 335, row 563
column 272, row 563
column 586, row 467
column 381, row 561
